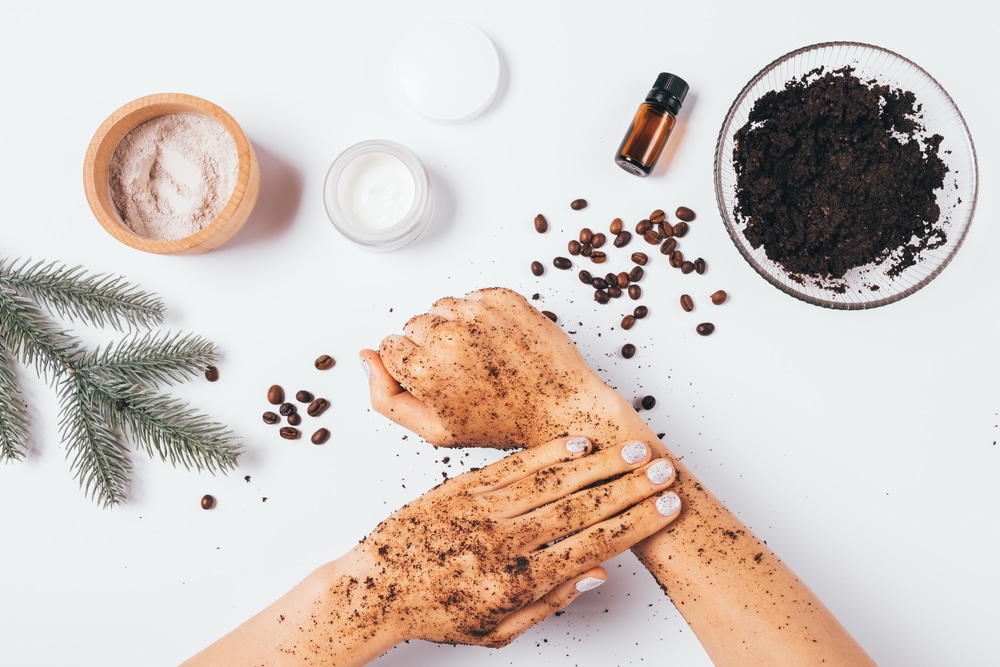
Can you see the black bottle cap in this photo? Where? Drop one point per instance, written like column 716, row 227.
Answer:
column 669, row 91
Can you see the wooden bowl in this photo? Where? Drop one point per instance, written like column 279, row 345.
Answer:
column 102, row 147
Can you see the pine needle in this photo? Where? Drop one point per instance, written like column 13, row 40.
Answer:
column 148, row 360
column 14, row 417
column 32, row 337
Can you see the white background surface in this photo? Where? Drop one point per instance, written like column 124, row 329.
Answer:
column 860, row 445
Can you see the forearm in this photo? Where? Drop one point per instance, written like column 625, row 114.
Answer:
column 313, row 624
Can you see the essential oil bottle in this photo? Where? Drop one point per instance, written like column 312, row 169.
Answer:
column 648, row 133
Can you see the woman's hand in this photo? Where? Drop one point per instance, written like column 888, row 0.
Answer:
column 489, row 553
column 490, row 370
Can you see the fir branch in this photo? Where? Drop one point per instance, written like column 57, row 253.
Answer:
column 99, row 459
column 99, row 299
column 34, row 338
column 149, row 360
column 13, row 416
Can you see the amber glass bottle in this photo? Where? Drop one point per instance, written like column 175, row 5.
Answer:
column 648, row 133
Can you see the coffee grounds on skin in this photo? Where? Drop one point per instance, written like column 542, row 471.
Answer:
column 834, row 173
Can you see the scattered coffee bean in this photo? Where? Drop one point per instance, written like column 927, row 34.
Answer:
column 600, row 296
column 320, row 436
column 628, row 322
column 289, row 433
column 562, row 263
column 324, row 362
column 700, row 266
column 614, row 291
column 634, row 292
column 271, row 417
column 537, row 268
column 680, row 229
column 598, row 240
column 318, row 407
column 687, row 303
column 687, row 267
column 541, row 224
column 598, row 257
column 586, row 235
column 585, row 277
column 684, row 213
column 623, row 238
column 657, row 216
column 648, row 402
column 628, row 350
column 668, row 246
column 676, row 259
column 578, row 204
column 640, row 312
column 652, row 237
column 719, row 297
column 599, row 283
column 667, row 229
column 616, row 226
column 705, row 329
column 549, row 314
column 642, row 227
column 212, row 374
column 207, row 501
column 294, row 419
column 587, row 250
column 275, row 394
column 640, row 258
column 574, row 247
column 623, row 280
column 286, row 409
column 636, row 274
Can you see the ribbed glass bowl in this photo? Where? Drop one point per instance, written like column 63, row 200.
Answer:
column 873, row 284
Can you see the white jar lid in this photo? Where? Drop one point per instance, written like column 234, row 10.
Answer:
column 448, row 71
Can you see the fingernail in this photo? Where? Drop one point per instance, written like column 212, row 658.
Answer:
column 634, row 452
column 668, row 504
column 659, row 472
column 577, row 445
column 588, row 584
column 365, row 368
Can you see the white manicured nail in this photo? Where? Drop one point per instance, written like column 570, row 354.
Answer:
column 659, row 472
column 588, row 584
column 668, row 504
column 634, row 452
column 365, row 368
column 577, row 445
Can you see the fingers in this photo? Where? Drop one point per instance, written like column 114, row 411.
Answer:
column 524, row 466
column 557, row 599
column 393, row 401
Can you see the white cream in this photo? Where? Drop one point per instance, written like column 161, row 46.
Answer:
column 376, row 190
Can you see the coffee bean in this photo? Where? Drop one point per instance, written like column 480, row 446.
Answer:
column 271, row 417
column 652, row 237
column 623, row 238
column 207, row 502
column 628, row 322
column 599, row 283
column 719, row 297
column 598, row 257
column 640, row 312
column 623, row 280
column 324, row 362
column 549, row 314
column 680, row 229
column 612, row 278
column 598, row 240
column 320, row 436
column 212, row 374
column 616, row 226
column 684, row 213
column 294, row 419
column 640, row 258
column 634, row 292
column 705, row 329
column 587, row 250
column 562, row 263
column 687, row 267
column 541, row 224
column 289, row 433
column 600, row 296
column 275, row 394
column 668, row 229
column 642, row 227
column 636, row 274
column 578, row 204
column 657, row 216
column 614, row 291
column 286, row 409
column 537, row 268
column 700, row 266
column 668, row 246
column 648, row 402
column 318, row 407
column 585, row 277
column 628, row 350
column 586, row 234
column 676, row 259
column 687, row 303
column 573, row 247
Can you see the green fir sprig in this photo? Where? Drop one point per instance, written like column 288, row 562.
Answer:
column 110, row 394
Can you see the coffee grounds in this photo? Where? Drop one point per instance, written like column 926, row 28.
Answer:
column 834, row 173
